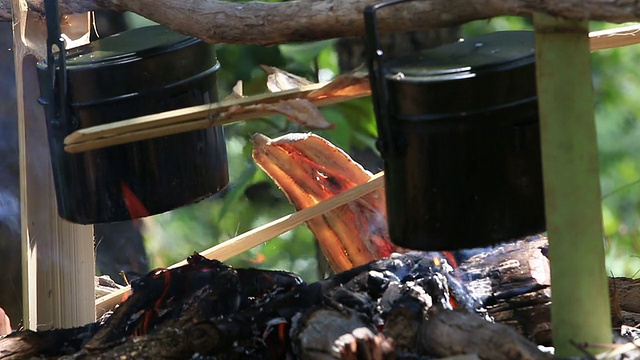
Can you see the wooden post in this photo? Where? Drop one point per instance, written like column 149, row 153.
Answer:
column 580, row 308
column 57, row 256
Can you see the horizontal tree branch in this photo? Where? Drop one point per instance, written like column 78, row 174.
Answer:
column 263, row 23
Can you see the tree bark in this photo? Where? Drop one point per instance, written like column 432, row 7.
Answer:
column 450, row 333
column 263, row 23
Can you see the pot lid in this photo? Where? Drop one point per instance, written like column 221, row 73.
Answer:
column 134, row 63
column 466, row 58
column 126, row 46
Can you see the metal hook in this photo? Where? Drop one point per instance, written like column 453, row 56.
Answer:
column 56, row 108
column 379, row 91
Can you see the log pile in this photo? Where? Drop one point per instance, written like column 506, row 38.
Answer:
column 395, row 307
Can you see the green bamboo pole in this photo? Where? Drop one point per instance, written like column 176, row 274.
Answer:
column 580, row 309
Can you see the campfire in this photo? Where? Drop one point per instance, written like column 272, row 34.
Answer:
column 494, row 305
column 397, row 307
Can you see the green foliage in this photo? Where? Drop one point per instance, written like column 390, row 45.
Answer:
column 617, row 88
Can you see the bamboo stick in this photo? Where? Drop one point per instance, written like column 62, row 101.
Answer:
column 613, row 38
column 580, row 309
column 192, row 118
column 618, row 350
column 173, row 117
column 261, row 234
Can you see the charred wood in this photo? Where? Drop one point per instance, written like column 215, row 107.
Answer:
column 52, row 343
column 513, row 282
column 450, row 333
column 396, row 307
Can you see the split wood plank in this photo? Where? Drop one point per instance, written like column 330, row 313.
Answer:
column 57, row 256
column 614, row 38
column 194, row 118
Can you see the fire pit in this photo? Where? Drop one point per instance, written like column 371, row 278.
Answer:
column 397, row 307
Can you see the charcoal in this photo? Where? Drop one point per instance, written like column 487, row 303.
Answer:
column 209, row 310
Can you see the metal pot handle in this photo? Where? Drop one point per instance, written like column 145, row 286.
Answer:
column 57, row 108
column 379, row 91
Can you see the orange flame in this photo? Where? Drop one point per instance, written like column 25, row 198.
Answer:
column 134, row 205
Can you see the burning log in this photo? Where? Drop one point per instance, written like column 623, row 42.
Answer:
column 405, row 306
column 513, row 280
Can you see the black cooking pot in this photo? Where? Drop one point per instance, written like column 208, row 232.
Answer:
column 459, row 135
column 133, row 73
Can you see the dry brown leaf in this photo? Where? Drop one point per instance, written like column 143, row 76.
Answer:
column 299, row 111
column 236, row 92
column 343, row 85
column 279, row 80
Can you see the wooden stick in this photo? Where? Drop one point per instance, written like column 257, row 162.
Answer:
column 57, row 256
column 192, row 118
column 618, row 350
column 261, row 234
column 613, row 38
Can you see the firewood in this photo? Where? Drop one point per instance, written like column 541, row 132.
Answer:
column 321, row 333
column 448, row 333
column 513, row 280
column 414, row 311
column 213, row 309
column 30, row 344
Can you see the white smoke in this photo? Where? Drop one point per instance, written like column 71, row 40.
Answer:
column 10, row 210
column 9, row 170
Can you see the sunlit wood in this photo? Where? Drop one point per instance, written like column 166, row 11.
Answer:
column 614, row 38
column 194, row 118
column 57, row 256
